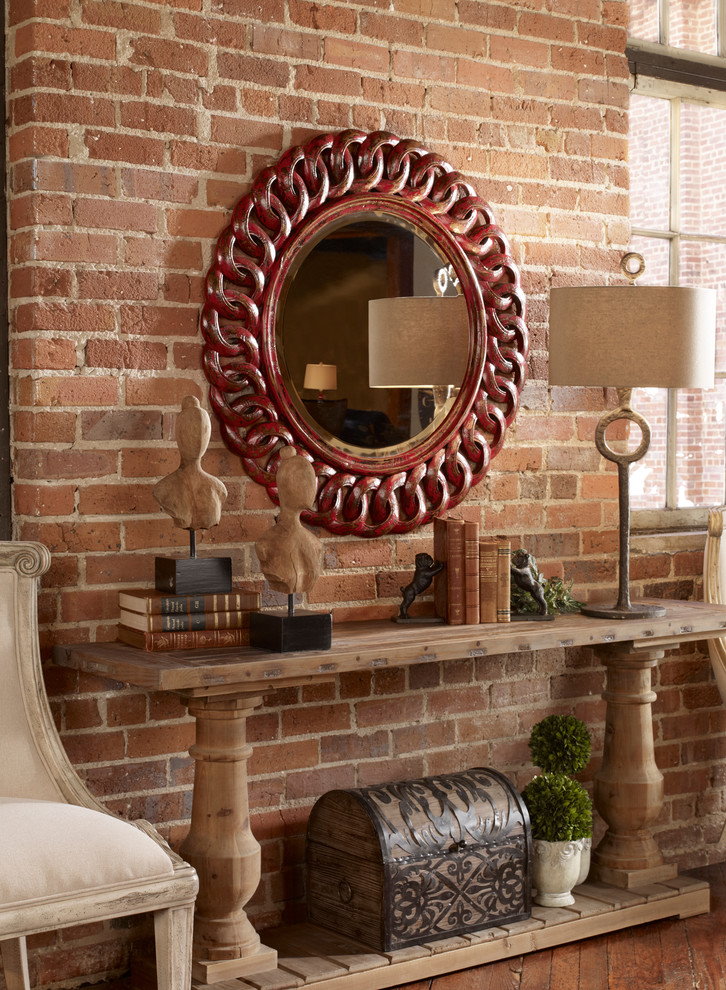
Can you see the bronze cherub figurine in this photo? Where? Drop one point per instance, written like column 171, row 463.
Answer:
column 426, row 570
column 524, row 577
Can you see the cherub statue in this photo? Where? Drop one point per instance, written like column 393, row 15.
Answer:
column 522, row 575
column 192, row 498
column 426, row 570
column 291, row 558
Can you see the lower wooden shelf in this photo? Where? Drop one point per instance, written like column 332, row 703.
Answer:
column 309, row 956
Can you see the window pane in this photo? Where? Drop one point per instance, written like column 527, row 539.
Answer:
column 692, row 24
column 649, row 162
column 703, row 169
column 647, row 476
column 700, row 453
column 656, row 254
column 644, row 20
column 703, row 263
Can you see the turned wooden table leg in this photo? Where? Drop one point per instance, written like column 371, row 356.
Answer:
column 629, row 785
column 220, row 844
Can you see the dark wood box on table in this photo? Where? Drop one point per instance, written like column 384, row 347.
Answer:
column 419, row 860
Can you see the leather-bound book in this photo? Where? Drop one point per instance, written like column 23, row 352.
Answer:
column 488, row 551
column 471, row 573
column 455, row 566
column 504, row 562
column 441, row 595
column 194, row 639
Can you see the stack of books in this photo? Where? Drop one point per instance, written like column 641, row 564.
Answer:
column 154, row 620
column 474, row 586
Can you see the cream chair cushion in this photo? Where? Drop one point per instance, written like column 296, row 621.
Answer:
column 47, row 849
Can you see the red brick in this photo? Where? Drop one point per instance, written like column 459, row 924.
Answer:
column 36, row 71
column 63, row 40
column 161, row 53
column 324, row 18
column 78, row 390
column 356, row 55
column 116, row 215
column 160, row 739
column 74, row 537
column 25, row 10
column 71, row 317
column 110, row 79
column 315, row 79
column 167, row 187
column 37, row 141
column 76, row 246
column 126, row 16
column 343, row 588
column 38, row 281
column 44, row 353
column 166, row 320
column 117, row 147
column 44, row 500
column 158, row 118
column 291, row 756
column 385, row 710
column 42, row 464
column 63, row 108
column 159, row 391
column 111, row 500
column 94, row 747
column 42, row 427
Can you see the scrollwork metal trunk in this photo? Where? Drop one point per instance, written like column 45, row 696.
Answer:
column 419, row 860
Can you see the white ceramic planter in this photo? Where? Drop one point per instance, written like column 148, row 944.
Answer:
column 557, row 867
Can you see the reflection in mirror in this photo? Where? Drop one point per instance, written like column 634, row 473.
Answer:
column 323, row 335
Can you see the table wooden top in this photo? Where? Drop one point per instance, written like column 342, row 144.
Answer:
column 369, row 645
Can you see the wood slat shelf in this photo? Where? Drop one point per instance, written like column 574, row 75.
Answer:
column 366, row 645
column 312, row 957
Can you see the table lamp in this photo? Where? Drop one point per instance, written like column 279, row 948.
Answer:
column 418, row 342
column 323, row 377
column 631, row 336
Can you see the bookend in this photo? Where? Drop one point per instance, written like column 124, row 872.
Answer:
column 288, row 631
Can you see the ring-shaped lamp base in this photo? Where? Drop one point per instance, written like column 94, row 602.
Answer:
column 623, row 608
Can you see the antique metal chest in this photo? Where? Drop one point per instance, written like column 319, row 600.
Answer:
column 419, row 860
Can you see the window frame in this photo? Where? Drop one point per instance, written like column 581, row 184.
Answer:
column 676, row 75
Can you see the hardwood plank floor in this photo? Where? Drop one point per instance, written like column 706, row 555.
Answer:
column 663, row 955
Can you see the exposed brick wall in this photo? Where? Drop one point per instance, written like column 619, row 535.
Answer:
column 133, row 128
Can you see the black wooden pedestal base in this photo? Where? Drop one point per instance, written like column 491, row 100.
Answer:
column 194, row 575
column 279, row 632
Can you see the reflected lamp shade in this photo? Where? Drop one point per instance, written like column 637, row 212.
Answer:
column 632, row 336
column 417, row 341
column 321, row 377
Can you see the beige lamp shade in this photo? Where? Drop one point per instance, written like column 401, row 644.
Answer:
column 630, row 336
column 417, row 341
column 322, row 377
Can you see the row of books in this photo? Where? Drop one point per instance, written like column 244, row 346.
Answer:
column 475, row 585
column 154, row 620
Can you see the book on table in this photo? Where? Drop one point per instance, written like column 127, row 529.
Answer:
column 196, row 639
column 151, row 602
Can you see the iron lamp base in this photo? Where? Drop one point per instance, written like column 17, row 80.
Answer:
column 636, row 610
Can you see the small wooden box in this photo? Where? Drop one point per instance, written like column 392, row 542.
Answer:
column 419, row 860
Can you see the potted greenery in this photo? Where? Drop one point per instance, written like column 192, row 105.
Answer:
column 560, row 809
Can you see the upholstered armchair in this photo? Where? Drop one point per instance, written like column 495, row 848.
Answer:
column 64, row 860
column 714, row 590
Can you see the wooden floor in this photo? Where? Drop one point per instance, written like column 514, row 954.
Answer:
column 661, row 955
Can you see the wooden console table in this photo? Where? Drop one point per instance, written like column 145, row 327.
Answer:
column 629, row 883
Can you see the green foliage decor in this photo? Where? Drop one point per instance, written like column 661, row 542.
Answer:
column 560, row 809
column 557, row 594
column 560, row 744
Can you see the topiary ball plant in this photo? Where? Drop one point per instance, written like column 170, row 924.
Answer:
column 560, row 744
column 559, row 808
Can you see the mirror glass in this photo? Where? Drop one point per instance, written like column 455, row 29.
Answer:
column 372, row 380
